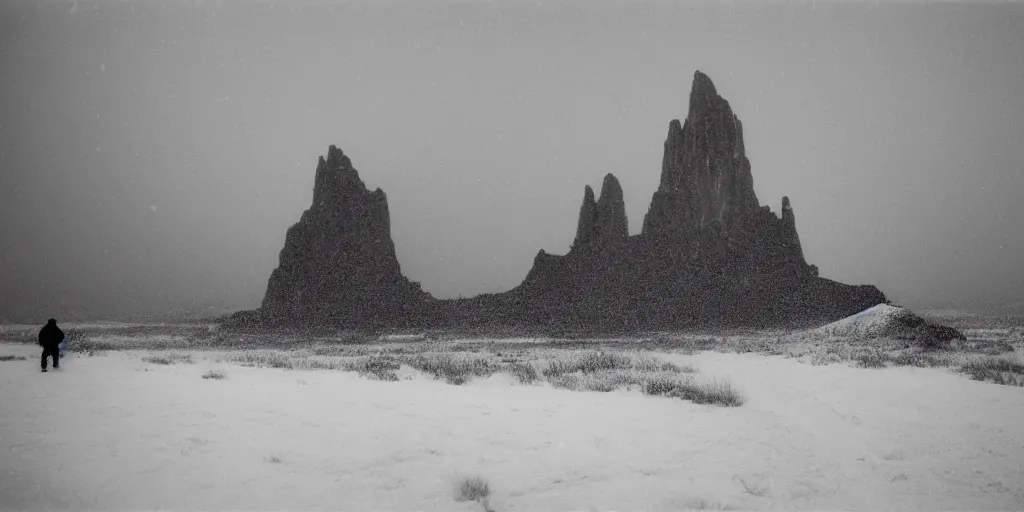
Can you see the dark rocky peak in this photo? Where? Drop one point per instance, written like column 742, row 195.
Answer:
column 585, row 228
column 675, row 131
column 338, row 263
column 336, row 178
column 705, row 175
column 336, row 159
column 602, row 222
column 789, row 219
column 612, row 225
column 791, row 240
column 703, row 95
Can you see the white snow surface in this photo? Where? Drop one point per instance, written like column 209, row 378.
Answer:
column 113, row 432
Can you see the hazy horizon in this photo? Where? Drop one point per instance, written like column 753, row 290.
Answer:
column 152, row 155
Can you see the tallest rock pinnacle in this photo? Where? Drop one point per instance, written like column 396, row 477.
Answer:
column 705, row 175
column 702, row 93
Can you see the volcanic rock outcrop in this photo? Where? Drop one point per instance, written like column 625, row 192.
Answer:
column 338, row 264
column 705, row 175
column 708, row 254
column 602, row 223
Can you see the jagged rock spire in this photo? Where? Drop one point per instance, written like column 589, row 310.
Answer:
column 338, row 264
column 788, row 235
column 335, row 177
column 602, row 223
column 702, row 94
column 705, row 176
column 586, row 226
column 612, row 225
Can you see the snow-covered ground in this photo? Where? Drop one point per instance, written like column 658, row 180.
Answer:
column 113, row 432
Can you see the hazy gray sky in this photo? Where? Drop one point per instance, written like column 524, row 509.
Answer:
column 152, row 154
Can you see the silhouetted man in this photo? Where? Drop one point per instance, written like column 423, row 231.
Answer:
column 50, row 337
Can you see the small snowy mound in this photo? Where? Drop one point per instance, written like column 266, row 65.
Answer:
column 885, row 321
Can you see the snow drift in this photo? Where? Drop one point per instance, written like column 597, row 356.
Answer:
column 892, row 322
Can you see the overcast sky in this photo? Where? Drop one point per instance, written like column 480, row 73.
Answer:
column 153, row 154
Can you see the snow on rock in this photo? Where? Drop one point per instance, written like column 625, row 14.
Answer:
column 887, row 321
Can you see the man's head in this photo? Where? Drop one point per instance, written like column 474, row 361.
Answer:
column 51, row 322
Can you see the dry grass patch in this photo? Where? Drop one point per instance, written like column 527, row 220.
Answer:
column 169, row 358
column 604, row 372
column 262, row 359
column 999, row 370
column 752, row 488
column 590, row 362
column 300, row 362
column 902, row 352
column 215, row 375
column 474, row 489
column 92, row 347
column 455, row 369
column 711, row 391
column 869, row 358
column 587, row 362
column 6, row 357
column 913, row 358
column 101, row 341
column 524, row 372
column 703, row 504
column 600, row 381
column 1004, row 369
column 647, row 363
column 989, row 359
column 822, row 359
column 375, row 367
column 661, row 385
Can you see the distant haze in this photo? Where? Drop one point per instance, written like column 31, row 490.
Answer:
column 153, row 154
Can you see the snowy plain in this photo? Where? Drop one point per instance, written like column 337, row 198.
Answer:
column 113, row 432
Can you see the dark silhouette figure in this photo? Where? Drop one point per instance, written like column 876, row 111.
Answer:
column 50, row 337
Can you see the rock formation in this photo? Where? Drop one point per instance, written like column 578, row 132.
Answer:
column 708, row 254
column 602, row 223
column 705, row 175
column 889, row 322
column 338, row 264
